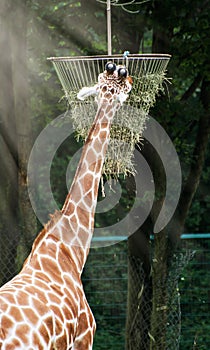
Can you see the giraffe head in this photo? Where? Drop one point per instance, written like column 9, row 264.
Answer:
column 113, row 86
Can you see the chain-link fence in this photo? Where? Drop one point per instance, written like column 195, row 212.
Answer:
column 111, row 278
column 118, row 290
column 142, row 321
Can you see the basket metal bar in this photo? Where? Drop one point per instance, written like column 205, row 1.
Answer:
column 105, row 57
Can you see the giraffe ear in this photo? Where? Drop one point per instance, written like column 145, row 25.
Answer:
column 86, row 92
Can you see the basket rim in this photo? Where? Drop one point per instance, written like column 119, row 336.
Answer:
column 148, row 56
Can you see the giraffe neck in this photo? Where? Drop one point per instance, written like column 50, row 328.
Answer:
column 80, row 203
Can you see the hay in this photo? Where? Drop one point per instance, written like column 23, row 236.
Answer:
column 129, row 122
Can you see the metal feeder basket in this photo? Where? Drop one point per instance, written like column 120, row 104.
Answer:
column 148, row 72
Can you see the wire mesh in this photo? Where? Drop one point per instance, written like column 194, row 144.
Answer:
column 79, row 71
column 148, row 74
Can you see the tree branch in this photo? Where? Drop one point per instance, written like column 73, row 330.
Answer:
column 192, row 88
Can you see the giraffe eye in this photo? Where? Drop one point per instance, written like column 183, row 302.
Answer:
column 110, row 67
column 122, row 72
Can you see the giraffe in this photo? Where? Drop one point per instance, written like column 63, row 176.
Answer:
column 44, row 306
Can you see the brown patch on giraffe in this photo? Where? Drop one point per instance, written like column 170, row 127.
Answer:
column 110, row 114
column 109, row 108
column 83, row 236
column 76, row 192
column 41, row 279
column 89, row 196
column 84, row 342
column 22, row 298
column 16, row 314
column 70, row 285
column 108, row 95
column 65, row 221
column 31, row 315
column 9, row 297
column 54, row 235
column 6, row 324
column 44, row 332
column 90, row 157
column 71, row 308
column 51, row 268
column 35, row 290
column 56, row 309
column 104, row 125
column 15, row 343
column 103, row 134
column 48, row 248
column 65, row 260
column 83, row 216
column 83, row 323
column 97, row 145
column 36, row 340
column 49, row 324
column 74, row 219
column 66, row 235
column 61, row 343
column 66, row 231
column 88, row 181
column 97, row 128
column 53, row 298
column 91, row 167
column 40, row 307
column 34, row 263
column 69, row 209
column 22, row 331
column 104, row 88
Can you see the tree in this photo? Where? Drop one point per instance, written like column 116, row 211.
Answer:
column 184, row 36
column 18, row 218
column 8, row 151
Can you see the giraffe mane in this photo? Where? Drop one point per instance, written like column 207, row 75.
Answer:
column 54, row 218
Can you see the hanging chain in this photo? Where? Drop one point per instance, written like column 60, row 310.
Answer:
column 124, row 6
column 110, row 3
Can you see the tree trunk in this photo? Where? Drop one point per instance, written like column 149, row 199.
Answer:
column 139, row 293
column 8, row 152
column 142, row 319
column 159, row 313
column 23, row 122
column 18, row 222
column 139, row 284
